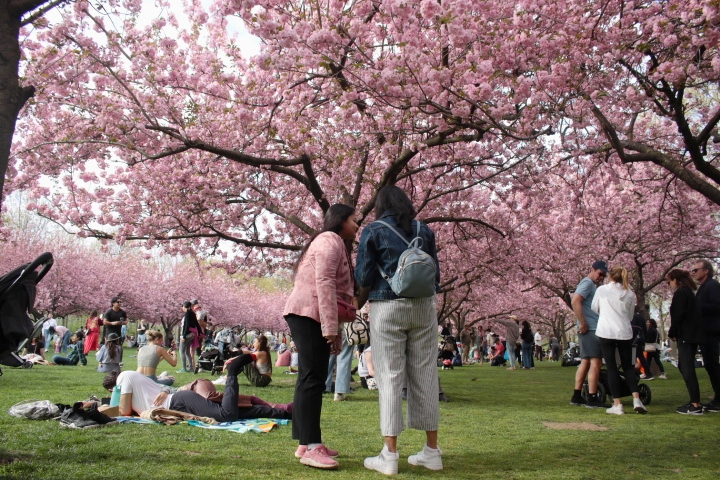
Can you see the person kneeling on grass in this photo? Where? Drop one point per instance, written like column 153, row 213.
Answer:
column 139, row 393
column 77, row 354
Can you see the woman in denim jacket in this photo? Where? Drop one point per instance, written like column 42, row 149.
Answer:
column 322, row 276
column 403, row 332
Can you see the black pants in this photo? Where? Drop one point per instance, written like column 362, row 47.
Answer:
column 640, row 353
column 711, row 354
column 227, row 411
column 655, row 356
column 313, row 357
column 686, row 365
column 624, row 348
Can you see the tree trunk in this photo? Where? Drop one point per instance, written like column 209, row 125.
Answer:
column 11, row 94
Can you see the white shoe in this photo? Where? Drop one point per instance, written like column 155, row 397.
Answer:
column 663, row 376
column 339, row 397
column 616, row 410
column 638, row 406
column 220, row 381
column 386, row 462
column 163, row 375
column 427, row 457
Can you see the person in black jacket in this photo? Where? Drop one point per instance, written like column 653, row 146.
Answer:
column 708, row 299
column 639, row 327
column 189, row 332
column 686, row 328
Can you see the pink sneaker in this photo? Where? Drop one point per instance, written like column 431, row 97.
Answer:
column 303, row 448
column 318, row 457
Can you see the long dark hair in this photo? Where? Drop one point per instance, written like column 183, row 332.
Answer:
column 333, row 221
column 264, row 348
column 392, row 200
column 683, row 278
column 113, row 346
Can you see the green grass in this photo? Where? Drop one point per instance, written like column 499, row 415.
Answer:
column 492, row 428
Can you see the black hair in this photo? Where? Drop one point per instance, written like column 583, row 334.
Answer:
column 653, row 323
column 110, row 380
column 333, row 221
column 265, row 348
column 683, row 278
column 392, row 200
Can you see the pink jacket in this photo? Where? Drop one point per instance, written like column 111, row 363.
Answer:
column 322, row 276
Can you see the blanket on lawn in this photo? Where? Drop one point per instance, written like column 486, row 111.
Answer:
column 259, row 425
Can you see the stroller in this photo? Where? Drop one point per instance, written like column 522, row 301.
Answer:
column 17, row 297
column 213, row 360
column 571, row 357
column 604, row 385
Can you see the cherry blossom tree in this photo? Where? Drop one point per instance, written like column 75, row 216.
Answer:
column 14, row 15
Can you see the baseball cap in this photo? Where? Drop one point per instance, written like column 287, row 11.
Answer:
column 600, row 265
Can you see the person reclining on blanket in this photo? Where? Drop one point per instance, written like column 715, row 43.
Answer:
column 139, row 393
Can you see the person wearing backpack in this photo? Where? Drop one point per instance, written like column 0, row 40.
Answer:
column 401, row 285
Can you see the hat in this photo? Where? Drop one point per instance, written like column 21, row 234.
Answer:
column 187, row 304
column 195, row 302
column 112, row 337
column 114, row 299
column 600, row 265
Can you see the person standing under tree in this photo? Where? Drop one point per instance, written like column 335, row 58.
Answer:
column 114, row 320
column 590, row 351
column 708, row 299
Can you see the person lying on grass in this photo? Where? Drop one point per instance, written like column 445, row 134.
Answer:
column 139, row 393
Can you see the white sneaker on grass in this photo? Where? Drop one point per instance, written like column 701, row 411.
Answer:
column 616, row 410
column 430, row 458
column 386, row 462
column 638, row 406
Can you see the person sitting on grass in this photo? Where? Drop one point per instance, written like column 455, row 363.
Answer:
column 149, row 356
column 36, row 347
column 110, row 354
column 497, row 355
column 77, row 352
column 138, row 393
column 259, row 372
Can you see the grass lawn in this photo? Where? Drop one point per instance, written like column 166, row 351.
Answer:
column 494, row 427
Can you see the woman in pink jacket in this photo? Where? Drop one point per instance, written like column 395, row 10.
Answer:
column 323, row 275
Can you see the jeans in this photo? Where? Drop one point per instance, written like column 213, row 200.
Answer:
column 686, row 365
column 58, row 360
column 527, row 354
column 624, row 348
column 186, row 353
column 313, row 359
column 510, row 349
column 344, row 367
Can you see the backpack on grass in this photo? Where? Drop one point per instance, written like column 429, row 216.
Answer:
column 416, row 270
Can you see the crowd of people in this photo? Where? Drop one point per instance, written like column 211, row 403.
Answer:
column 402, row 353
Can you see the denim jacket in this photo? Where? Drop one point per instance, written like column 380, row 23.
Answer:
column 381, row 246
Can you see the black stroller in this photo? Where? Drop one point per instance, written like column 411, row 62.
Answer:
column 17, row 298
column 604, row 385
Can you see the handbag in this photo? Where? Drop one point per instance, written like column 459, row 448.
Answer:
column 347, row 312
column 357, row 332
column 651, row 347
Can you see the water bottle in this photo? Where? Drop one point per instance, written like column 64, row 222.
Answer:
column 115, row 397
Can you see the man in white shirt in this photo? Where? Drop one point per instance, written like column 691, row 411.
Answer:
column 538, row 347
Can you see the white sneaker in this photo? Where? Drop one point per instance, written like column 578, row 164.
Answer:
column 616, row 410
column 386, row 462
column 163, row 374
column 638, row 406
column 663, row 376
column 220, row 381
column 339, row 397
column 427, row 457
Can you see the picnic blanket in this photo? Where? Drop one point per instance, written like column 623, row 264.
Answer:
column 259, row 425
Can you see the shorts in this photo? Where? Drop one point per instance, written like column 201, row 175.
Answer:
column 589, row 345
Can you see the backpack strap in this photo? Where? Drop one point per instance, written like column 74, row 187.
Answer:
column 415, row 242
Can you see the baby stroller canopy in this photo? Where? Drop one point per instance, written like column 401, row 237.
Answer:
column 17, row 298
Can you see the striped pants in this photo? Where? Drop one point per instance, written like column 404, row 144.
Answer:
column 403, row 334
